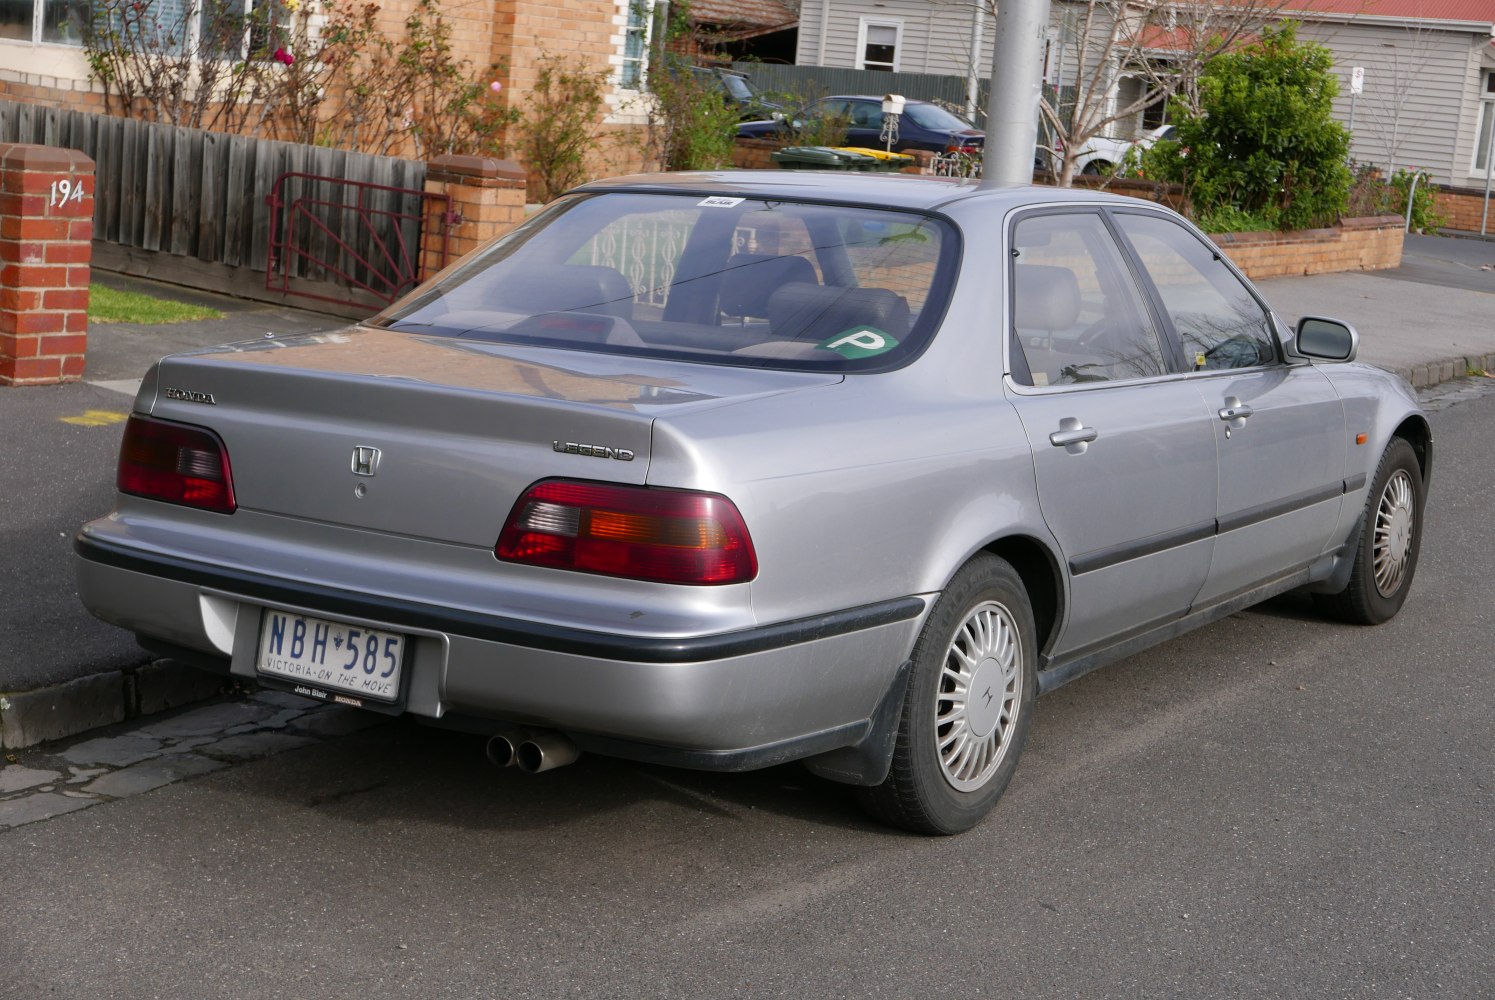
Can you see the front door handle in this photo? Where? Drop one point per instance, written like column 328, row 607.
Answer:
column 1072, row 436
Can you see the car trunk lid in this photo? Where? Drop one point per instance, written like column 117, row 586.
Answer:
column 426, row 436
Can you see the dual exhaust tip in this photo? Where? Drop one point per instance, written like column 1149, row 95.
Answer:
column 531, row 752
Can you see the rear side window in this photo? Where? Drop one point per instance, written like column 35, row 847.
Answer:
column 729, row 280
column 1077, row 313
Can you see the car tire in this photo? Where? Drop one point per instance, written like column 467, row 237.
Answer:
column 1095, row 168
column 1390, row 539
column 954, row 755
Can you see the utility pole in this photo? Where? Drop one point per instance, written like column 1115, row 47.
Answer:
column 1484, row 219
column 973, row 75
column 1016, row 89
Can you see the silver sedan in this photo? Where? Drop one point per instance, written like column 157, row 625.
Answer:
column 728, row 470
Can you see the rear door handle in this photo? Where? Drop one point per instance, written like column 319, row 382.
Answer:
column 1080, row 435
column 1073, row 436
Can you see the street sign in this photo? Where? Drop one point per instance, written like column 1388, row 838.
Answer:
column 1357, row 80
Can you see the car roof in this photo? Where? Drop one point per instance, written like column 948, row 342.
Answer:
column 895, row 191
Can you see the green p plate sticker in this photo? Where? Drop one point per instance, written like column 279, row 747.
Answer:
column 860, row 342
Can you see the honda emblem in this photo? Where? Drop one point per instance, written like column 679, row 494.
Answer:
column 365, row 460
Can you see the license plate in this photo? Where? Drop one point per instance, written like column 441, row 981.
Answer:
column 332, row 655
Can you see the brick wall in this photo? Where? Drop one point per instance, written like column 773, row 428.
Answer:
column 46, row 229
column 50, row 92
column 1464, row 208
column 487, row 195
column 755, row 154
column 1366, row 244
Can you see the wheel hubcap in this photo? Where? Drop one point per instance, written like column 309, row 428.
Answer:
column 980, row 689
column 1393, row 538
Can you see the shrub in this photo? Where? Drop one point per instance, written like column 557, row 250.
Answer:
column 691, row 124
column 322, row 73
column 559, row 125
column 1371, row 194
column 1265, row 143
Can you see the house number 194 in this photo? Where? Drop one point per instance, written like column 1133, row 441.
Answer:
column 66, row 191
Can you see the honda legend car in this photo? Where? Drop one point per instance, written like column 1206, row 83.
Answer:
column 725, row 470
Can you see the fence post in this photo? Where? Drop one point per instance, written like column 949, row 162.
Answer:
column 487, row 200
column 46, row 233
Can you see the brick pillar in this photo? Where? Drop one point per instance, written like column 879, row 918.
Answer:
column 487, row 195
column 46, row 233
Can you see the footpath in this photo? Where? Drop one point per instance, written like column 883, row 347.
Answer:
column 62, row 672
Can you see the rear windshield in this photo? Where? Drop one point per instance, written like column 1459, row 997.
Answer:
column 729, row 280
column 935, row 117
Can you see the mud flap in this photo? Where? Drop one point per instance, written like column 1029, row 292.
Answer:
column 868, row 762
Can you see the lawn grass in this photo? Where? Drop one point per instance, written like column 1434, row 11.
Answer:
column 108, row 305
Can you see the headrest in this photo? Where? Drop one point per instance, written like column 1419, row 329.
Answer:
column 541, row 288
column 750, row 278
column 801, row 311
column 1045, row 298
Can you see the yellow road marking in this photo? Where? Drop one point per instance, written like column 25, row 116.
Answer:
column 97, row 418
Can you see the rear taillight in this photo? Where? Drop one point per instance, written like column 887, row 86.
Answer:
column 667, row 536
column 176, row 463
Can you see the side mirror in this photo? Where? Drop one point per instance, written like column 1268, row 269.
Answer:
column 1325, row 339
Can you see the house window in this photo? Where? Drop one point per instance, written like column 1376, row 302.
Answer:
column 635, row 44
column 161, row 26
column 1486, row 123
column 60, row 22
column 878, row 43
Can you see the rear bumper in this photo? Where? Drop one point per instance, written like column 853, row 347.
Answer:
column 728, row 700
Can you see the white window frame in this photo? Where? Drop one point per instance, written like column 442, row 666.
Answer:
column 645, row 32
column 1484, row 119
column 895, row 23
column 38, row 20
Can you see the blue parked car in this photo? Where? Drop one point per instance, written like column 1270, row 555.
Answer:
column 922, row 126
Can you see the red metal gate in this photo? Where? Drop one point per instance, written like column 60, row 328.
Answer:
column 354, row 243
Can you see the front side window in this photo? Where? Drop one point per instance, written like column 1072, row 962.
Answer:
column 724, row 280
column 1218, row 320
column 1077, row 315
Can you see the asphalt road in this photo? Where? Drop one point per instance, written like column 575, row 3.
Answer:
column 56, row 471
column 1270, row 807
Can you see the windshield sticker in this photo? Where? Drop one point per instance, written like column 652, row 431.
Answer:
column 720, row 202
column 860, row 342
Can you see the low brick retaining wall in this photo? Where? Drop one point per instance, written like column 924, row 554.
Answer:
column 1366, row 244
column 1463, row 208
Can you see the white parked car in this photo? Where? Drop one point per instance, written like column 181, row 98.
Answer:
column 1103, row 154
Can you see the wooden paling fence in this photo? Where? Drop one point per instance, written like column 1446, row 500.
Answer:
column 187, row 205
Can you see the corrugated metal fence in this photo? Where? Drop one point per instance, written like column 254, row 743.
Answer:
column 819, row 81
